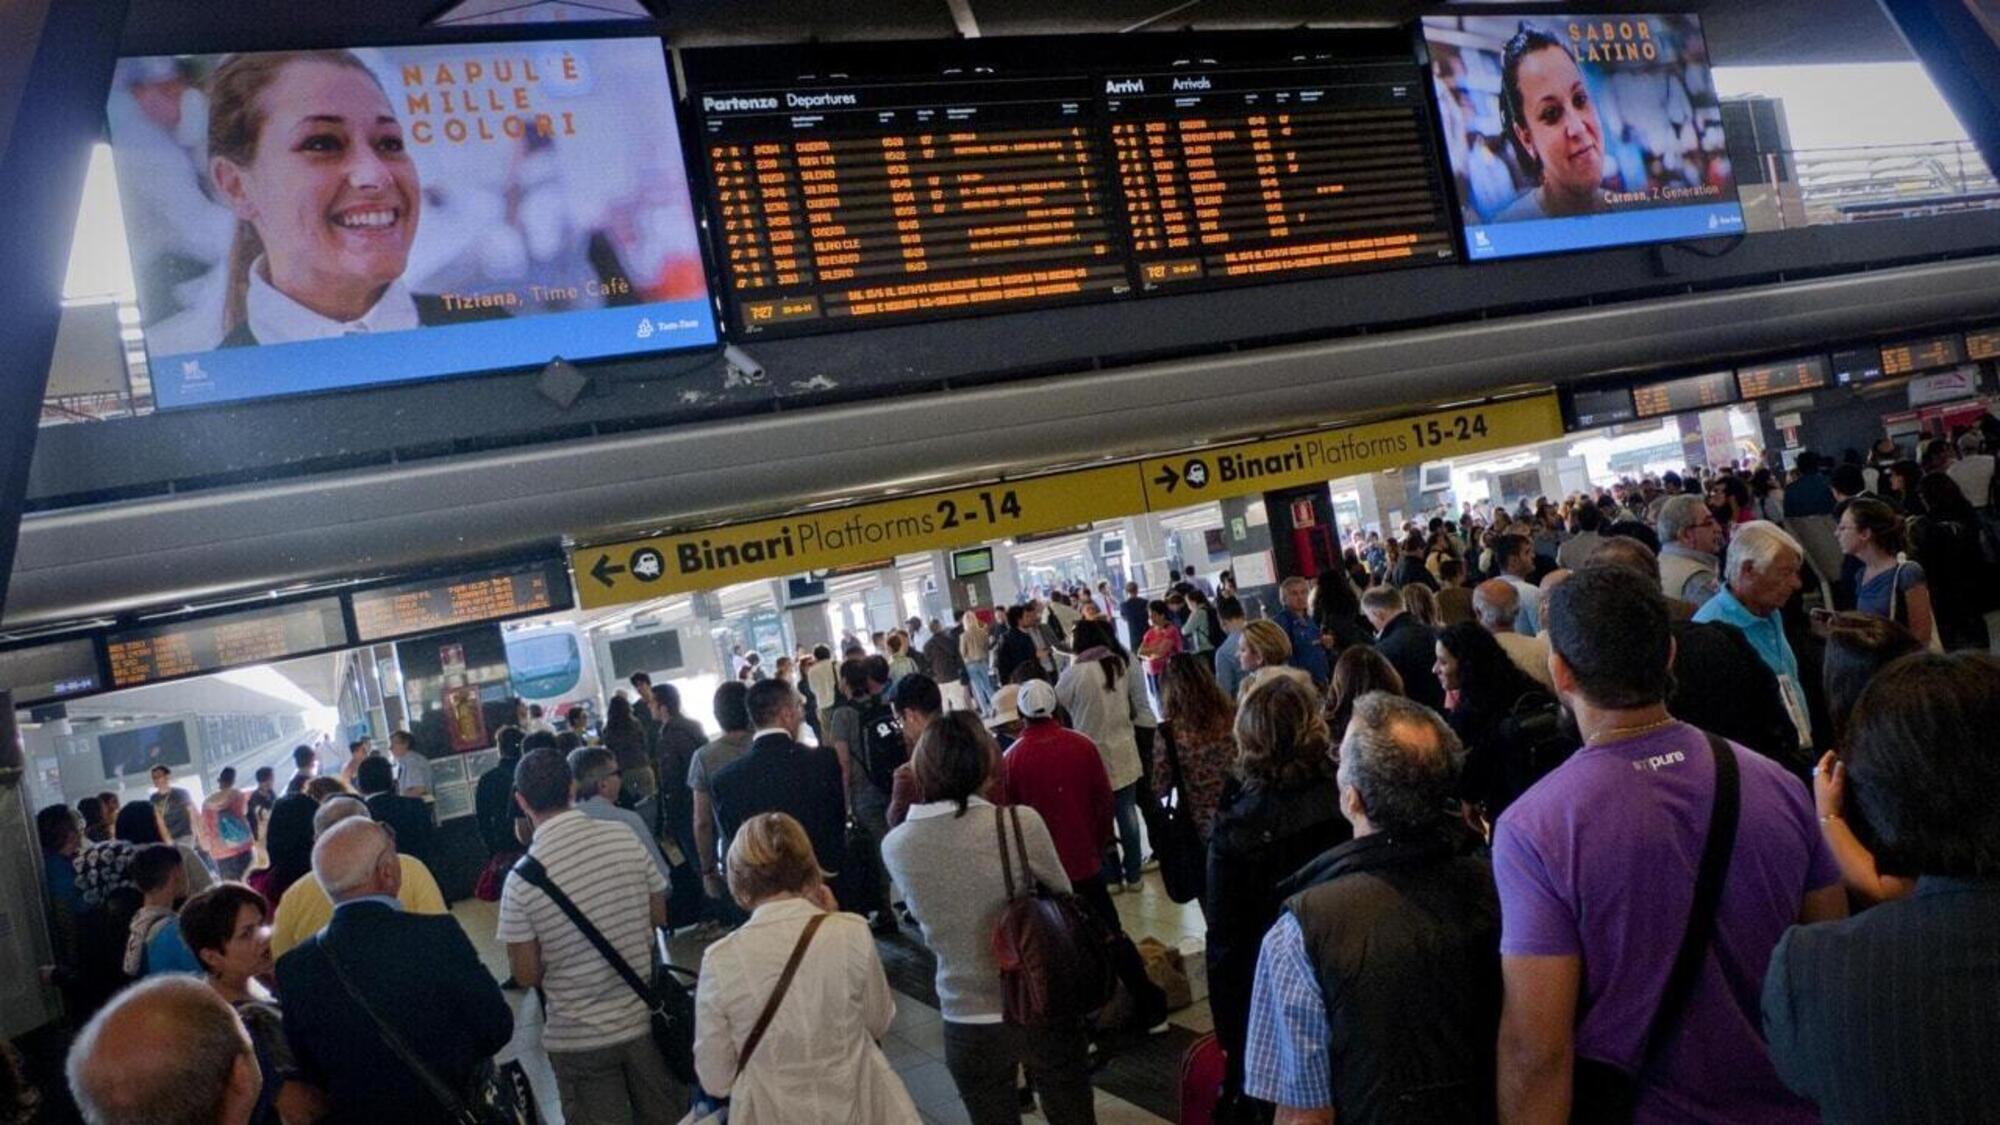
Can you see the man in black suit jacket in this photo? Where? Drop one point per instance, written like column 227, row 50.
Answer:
column 1409, row 645
column 418, row 973
column 781, row 774
column 408, row 817
column 1892, row 1015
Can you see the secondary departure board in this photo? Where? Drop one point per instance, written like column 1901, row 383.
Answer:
column 1805, row 373
column 899, row 201
column 1678, row 396
column 1983, row 343
column 1927, row 354
column 43, row 673
column 1252, row 175
column 458, row 600
column 1857, row 365
column 148, row 654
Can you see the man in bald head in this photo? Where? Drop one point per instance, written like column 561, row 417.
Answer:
column 1497, row 604
column 377, row 970
column 167, row 1051
column 306, row 909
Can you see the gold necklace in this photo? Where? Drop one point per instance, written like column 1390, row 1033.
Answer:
column 1621, row 734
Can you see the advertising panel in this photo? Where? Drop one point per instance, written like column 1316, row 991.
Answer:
column 311, row 220
column 1577, row 132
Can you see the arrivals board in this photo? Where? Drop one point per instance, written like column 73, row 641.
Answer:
column 1805, row 373
column 1983, row 343
column 868, row 203
column 457, row 600
column 1233, row 175
column 150, row 653
column 1927, row 354
column 1678, row 396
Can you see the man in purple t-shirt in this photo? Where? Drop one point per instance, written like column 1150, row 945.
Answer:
column 1596, row 868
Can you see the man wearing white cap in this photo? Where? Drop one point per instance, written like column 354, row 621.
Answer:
column 1059, row 774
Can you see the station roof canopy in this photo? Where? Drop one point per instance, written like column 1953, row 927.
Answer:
column 1766, row 33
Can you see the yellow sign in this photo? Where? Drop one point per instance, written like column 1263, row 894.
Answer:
column 617, row 573
column 1310, row 458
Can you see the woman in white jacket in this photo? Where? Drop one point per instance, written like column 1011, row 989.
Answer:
column 1107, row 703
column 817, row 1061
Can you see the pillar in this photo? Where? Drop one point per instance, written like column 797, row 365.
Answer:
column 1247, row 530
column 1146, row 554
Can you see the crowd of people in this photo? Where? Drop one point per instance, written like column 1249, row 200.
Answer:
column 1537, row 815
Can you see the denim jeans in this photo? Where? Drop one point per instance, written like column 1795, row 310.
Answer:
column 981, row 678
column 1127, row 815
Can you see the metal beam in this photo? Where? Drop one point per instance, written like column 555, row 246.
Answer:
column 111, row 558
column 61, row 112
column 1959, row 49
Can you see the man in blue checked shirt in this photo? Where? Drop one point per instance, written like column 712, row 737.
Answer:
column 1396, row 933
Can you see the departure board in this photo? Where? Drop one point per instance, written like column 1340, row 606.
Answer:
column 1805, row 373
column 151, row 653
column 457, row 600
column 1983, row 343
column 899, row 201
column 1857, row 365
column 1927, row 354
column 1605, row 407
column 1678, row 396
column 1258, row 174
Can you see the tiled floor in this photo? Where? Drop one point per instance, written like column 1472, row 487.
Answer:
column 915, row 1043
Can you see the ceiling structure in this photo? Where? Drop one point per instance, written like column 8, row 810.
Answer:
column 1765, row 33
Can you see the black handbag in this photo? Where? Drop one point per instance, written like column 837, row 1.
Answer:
column 669, row 1002
column 492, row 1099
column 1177, row 841
column 1603, row 1094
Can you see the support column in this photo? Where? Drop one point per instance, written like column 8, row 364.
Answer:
column 43, row 156
column 1247, row 530
column 1003, row 585
column 1146, row 554
column 809, row 624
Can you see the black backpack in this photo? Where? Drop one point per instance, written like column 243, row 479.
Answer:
column 1538, row 740
column 881, row 747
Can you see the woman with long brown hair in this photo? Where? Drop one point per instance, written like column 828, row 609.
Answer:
column 1280, row 808
column 1197, row 729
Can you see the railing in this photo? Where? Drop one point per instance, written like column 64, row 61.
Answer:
column 1839, row 185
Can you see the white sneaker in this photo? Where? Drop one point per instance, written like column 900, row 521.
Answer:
column 1133, row 886
column 1117, row 888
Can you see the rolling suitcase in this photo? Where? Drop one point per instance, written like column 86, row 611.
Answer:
column 1201, row 1081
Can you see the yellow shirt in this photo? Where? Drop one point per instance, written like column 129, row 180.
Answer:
column 305, row 909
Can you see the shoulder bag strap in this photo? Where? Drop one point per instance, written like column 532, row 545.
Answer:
column 1021, row 847
column 1715, row 853
column 454, row 1104
column 778, row 993
column 1006, row 860
column 532, row 870
column 1166, row 734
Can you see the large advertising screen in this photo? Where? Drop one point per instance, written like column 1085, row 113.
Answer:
column 310, row 220
column 1577, row 132
column 135, row 750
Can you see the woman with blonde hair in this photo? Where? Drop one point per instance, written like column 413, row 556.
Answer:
column 1420, row 602
column 975, row 648
column 790, row 1006
column 1263, row 653
column 1280, row 808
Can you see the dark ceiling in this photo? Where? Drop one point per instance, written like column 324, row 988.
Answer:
column 1741, row 32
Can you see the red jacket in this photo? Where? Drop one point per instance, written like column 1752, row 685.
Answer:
column 1058, row 773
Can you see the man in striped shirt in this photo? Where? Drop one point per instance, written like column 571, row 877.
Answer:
column 598, row 1033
